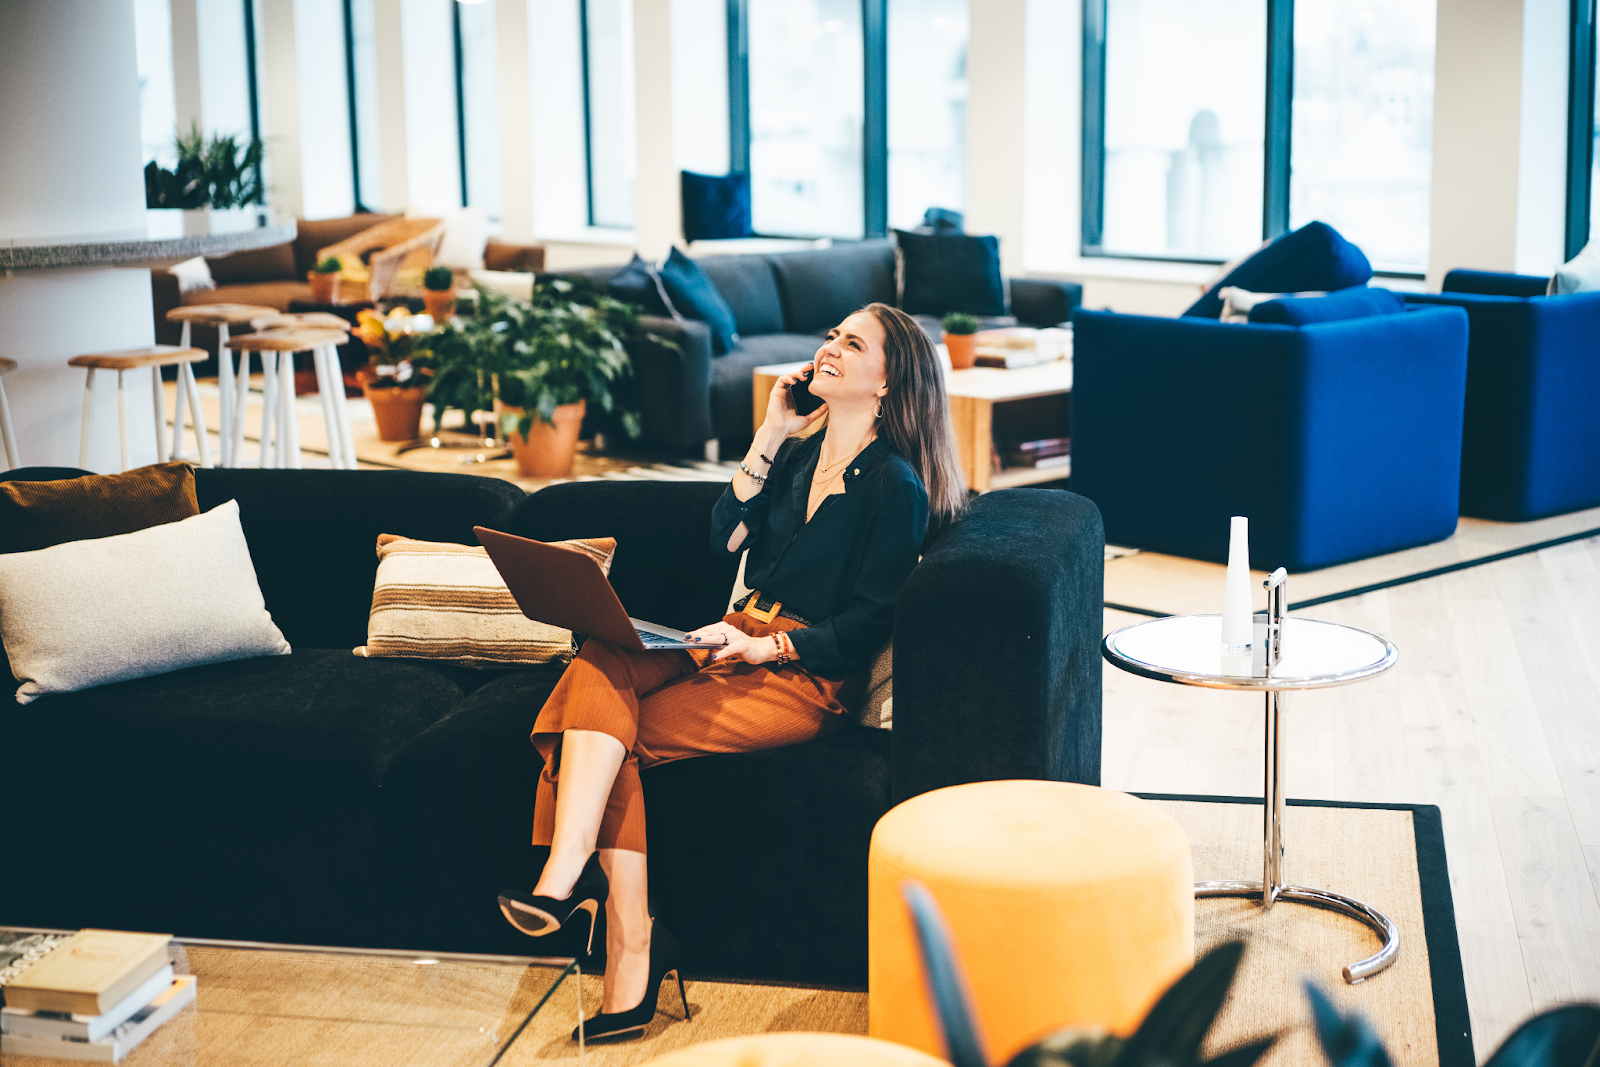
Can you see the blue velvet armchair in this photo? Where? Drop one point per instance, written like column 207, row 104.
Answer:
column 1339, row 440
column 1531, row 439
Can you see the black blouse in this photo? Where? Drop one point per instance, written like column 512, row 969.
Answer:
column 843, row 570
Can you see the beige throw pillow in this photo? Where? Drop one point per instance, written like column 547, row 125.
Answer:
column 86, row 613
column 442, row 601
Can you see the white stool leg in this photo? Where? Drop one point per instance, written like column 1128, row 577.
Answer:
column 342, row 409
column 291, row 415
column 330, row 424
column 160, row 395
column 225, row 407
column 88, row 419
column 269, row 404
column 122, row 418
column 186, row 381
column 241, row 407
column 7, row 434
column 179, row 404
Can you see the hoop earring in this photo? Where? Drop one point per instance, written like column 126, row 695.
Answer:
column 879, row 412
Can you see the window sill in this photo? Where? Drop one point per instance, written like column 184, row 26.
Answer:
column 590, row 235
column 1138, row 270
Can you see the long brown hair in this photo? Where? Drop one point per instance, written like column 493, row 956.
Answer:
column 916, row 413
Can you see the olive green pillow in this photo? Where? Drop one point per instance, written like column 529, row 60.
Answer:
column 35, row 515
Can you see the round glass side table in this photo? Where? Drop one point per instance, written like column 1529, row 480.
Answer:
column 1285, row 654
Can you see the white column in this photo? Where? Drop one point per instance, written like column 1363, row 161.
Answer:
column 996, row 133
column 514, row 59
column 1052, row 109
column 280, row 106
column 390, row 64
column 71, row 166
column 657, row 208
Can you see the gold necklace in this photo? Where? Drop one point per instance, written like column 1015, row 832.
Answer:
column 846, row 459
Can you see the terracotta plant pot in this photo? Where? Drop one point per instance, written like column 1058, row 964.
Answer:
column 398, row 412
column 324, row 287
column 548, row 450
column 963, row 349
column 439, row 303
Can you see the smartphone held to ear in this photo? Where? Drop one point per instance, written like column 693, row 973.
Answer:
column 804, row 402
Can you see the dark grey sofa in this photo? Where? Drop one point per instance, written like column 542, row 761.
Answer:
column 782, row 304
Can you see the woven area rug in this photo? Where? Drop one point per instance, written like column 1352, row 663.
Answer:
column 1390, row 856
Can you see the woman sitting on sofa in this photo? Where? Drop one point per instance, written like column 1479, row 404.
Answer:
column 834, row 524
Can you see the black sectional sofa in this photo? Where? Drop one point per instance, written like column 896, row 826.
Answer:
column 324, row 798
column 783, row 304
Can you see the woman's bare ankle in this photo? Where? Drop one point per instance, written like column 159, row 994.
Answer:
column 559, row 876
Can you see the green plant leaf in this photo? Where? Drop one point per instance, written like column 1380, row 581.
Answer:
column 1071, row 1047
column 1246, row 1055
column 947, row 983
column 1347, row 1040
column 1172, row 1032
column 1568, row 1036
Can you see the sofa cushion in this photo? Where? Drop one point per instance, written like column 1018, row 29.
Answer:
column 1314, row 258
column 750, row 287
column 716, row 206
column 732, row 378
column 1357, row 302
column 1580, row 274
column 38, row 514
column 951, row 272
column 314, row 235
column 639, row 284
column 311, row 534
column 696, row 296
column 821, row 288
column 256, row 779
column 1495, row 283
column 85, row 613
column 271, row 264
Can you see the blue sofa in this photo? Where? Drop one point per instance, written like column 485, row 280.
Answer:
column 1339, row 440
column 1531, row 439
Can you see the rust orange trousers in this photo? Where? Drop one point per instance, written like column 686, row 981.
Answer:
column 671, row 705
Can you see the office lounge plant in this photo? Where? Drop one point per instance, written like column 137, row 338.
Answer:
column 400, row 363
column 213, row 174
column 961, row 339
column 439, row 292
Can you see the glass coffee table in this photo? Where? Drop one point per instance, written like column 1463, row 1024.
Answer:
column 1285, row 654
column 269, row 1005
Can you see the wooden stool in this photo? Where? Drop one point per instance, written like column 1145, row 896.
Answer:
column 277, row 349
column 223, row 316
column 8, row 436
column 318, row 319
column 154, row 357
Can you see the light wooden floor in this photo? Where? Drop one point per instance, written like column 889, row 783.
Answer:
column 1493, row 713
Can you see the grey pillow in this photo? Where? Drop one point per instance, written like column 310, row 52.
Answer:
column 86, row 613
column 1581, row 275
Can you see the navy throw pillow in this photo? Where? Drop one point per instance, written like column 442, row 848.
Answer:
column 1494, row 283
column 1357, row 302
column 951, row 272
column 637, row 283
column 715, row 206
column 692, row 293
column 1313, row 258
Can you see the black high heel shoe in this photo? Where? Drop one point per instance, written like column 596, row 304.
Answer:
column 537, row 916
column 664, row 956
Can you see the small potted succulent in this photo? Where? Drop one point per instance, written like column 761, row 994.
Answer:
column 961, row 339
column 399, row 366
column 324, row 279
column 438, row 293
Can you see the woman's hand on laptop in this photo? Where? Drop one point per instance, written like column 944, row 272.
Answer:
column 736, row 644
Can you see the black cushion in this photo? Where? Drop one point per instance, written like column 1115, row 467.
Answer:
column 821, row 289
column 313, row 535
column 750, row 287
column 638, row 284
column 951, row 272
column 236, row 799
column 716, row 206
column 664, row 570
column 732, row 376
column 694, row 295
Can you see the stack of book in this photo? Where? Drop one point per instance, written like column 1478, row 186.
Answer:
column 91, row 996
column 1042, row 454
column 1022, row 346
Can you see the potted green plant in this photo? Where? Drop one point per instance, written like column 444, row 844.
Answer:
column 217, row 183
column 399, row 364
column 961, row 339
column 324, row 279
column 438, row 292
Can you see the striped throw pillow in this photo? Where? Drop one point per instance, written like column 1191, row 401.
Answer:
column 435, row 600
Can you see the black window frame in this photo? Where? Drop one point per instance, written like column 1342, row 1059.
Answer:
column 1580, row 126
column 1277, row 144
column 875, row 113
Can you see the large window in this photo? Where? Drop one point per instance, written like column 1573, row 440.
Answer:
column 850, row 115
column 1210, row 125
column 478, row 112
column 609, row 110
column 361, row 77
column 1583, row 160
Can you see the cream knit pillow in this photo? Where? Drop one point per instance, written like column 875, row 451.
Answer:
column 86, row 613
column 436, row 600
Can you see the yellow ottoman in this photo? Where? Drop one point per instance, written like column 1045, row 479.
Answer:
column 796, row 1050
column 1067, row 904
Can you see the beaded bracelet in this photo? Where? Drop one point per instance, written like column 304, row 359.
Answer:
column 759, row 478
column 783, row 652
